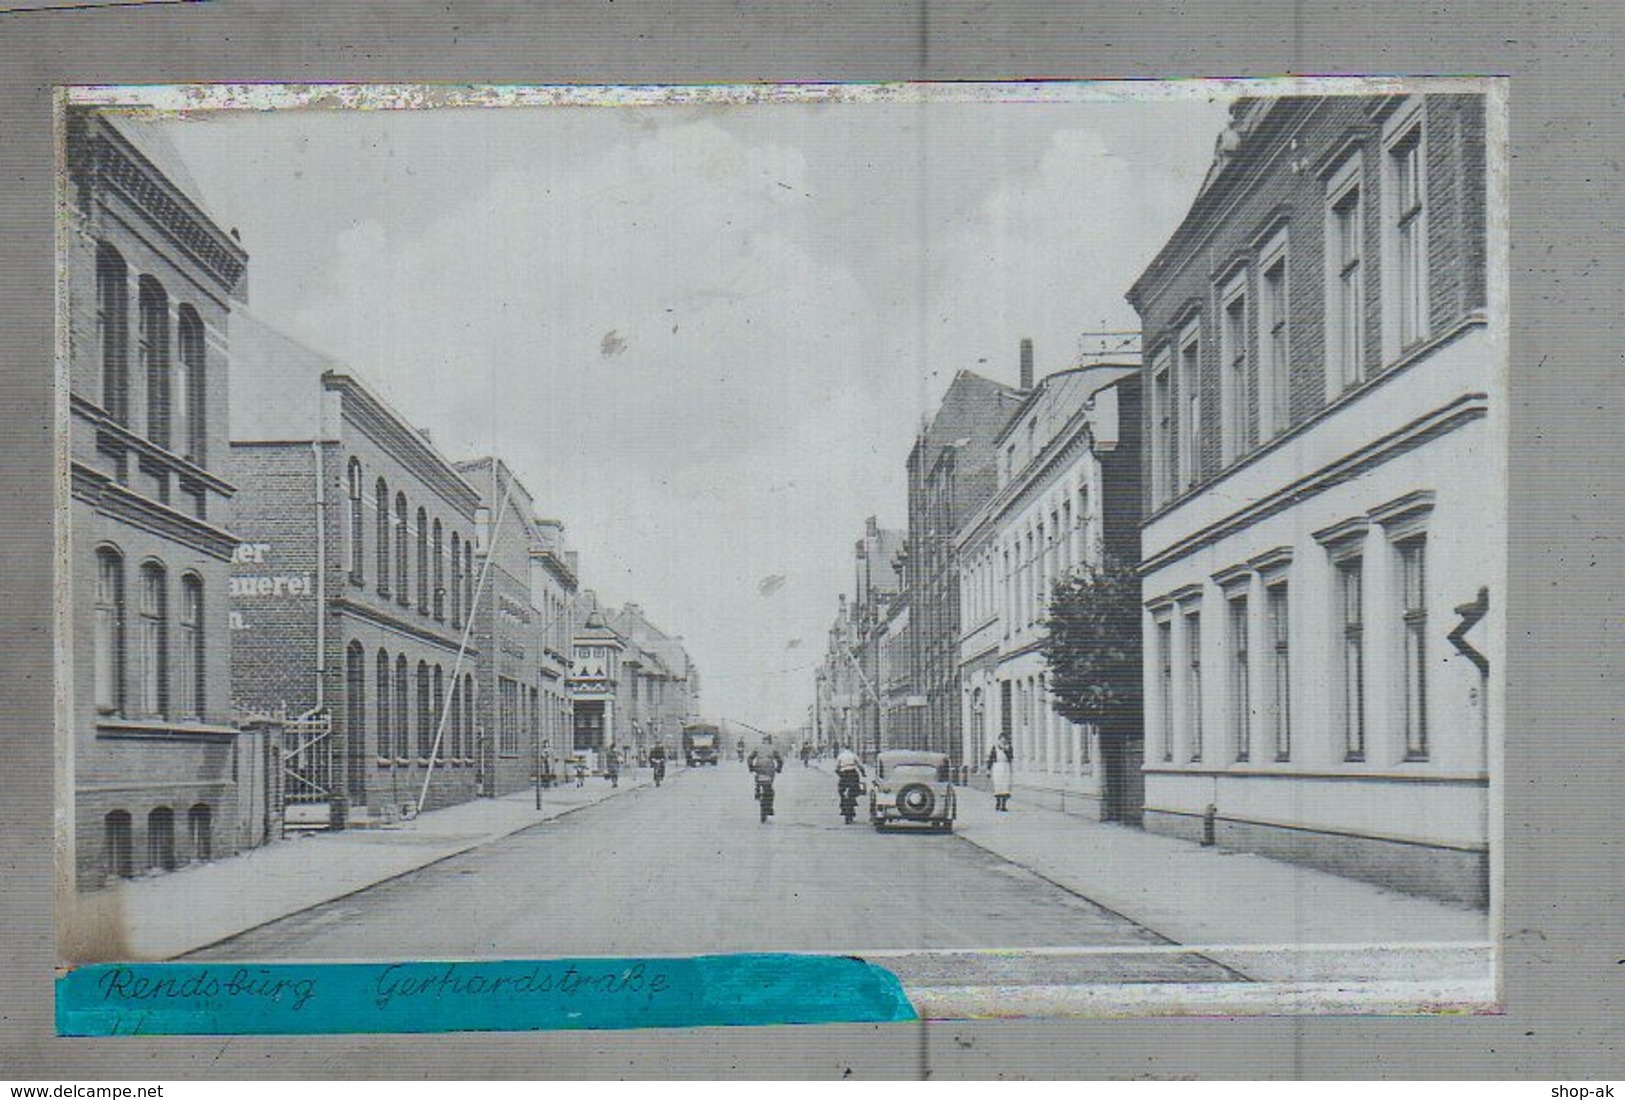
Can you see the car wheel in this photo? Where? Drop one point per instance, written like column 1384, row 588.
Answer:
column 916, row 802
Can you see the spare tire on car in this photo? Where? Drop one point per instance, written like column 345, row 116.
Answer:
column 916, row 801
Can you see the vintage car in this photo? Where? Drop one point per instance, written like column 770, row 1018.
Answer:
column 909, row 787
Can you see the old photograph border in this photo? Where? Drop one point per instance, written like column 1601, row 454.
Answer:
column 1563, row 880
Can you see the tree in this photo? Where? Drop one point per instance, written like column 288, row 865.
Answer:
column 1092, row 645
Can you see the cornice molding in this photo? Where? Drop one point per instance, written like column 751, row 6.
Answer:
column 121, row 503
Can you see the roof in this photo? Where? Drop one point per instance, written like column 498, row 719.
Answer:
column 149, row 134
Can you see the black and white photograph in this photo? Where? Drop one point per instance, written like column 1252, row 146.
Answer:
column 1045, row 539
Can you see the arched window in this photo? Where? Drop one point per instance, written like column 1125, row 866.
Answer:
column 355, row 714
column 454, row 724
column 154, row 351
column 468, row 717
column 189, row 689
column 456, row 581
column 403, row 716
column 425, row 723
column 439, row 707
column 200, row 830
column 154, row 641
column 403, row 594
column 119, row 843
column 383, row 537
column 423, row 562
column 186, row 390
column 161, row 838
column 439, row 551
column 357, row 527
column 109, row 631
column 113, row 320
column 385, row 730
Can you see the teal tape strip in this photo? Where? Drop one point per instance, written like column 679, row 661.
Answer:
column 312, row 999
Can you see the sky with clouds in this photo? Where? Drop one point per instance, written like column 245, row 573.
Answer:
column 704, row 335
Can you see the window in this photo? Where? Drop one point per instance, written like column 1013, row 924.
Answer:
column 1237, row 403
column 469, row 736
column 1275, row 395
column 109, row 631
column 1280, row 670
column 357, row 549
column 425, row 718
column 161, row 839
column 403, row 594
column 403, row 713
column 456, row 584
column 113, row 321
column 1345, row 248
column 384, row 716
column 439, row 551
column 1349, row 595
column 1165, row 685
column 439, row 706
column 423, row 562
column 1190, row 405
column 120, row 844
column 154, row 641
column 187, row 389
column 468, row 579
column 199, row 832
column 355, row 715
column 1193, row 682
column 454, row 732
column 1407, row 232
column 1414, row 617
column 154, row 355
column 1240, row 687
column 382, row 502
column 1164, row 447
column 190, row 681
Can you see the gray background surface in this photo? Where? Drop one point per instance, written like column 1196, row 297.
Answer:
column 1564, row 959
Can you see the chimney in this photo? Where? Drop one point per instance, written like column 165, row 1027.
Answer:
column 1026, row 362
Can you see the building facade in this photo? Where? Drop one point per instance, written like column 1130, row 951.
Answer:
column 553, row 591
column 507, row 630
column 660, row 686
column 352, row 589
column 151, row 287
column 951, row 471
column 1325, row 494
column 877, row 586
column 1068, row 497
column 595, row 685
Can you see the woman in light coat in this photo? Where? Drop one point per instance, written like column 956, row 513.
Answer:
column 998, row 763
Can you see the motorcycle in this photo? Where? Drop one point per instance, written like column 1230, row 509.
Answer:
column 764, row 795
column 849, row 785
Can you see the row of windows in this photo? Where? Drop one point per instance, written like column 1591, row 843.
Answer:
column 1257, row 649
column 118, row 840
column 158, row 676
column 1255, row 324
column 407, row 701
column 173, row 381
column 1012, row 579
column 392, row 523
column 516, row 706
column 1041, row 739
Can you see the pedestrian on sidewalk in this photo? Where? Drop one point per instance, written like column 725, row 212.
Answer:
column 581, row 771
column 998, row 764
column 612, row 767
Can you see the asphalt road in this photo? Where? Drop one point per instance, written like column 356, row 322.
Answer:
column 688, row 869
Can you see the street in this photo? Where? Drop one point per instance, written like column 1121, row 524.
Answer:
column 687, row 869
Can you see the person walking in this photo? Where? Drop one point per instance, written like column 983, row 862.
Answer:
column 999, row 767
column 612, row 767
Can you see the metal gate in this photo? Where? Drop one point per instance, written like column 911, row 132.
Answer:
column 307, row 759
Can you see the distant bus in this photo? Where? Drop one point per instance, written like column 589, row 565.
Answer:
column 702, row 742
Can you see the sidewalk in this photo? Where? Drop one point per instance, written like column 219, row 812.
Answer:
column 169, row 915
column 1270, row 920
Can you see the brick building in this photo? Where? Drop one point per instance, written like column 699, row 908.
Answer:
column 1325, row 494
column 951, row 471
column 553, row 591
column 151, row 285
column 877, row 584
column 1068, row 497
column 352, row 591
column 507, row 630
column 660, row 686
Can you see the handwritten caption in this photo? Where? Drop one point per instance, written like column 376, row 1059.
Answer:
column 386, row 985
